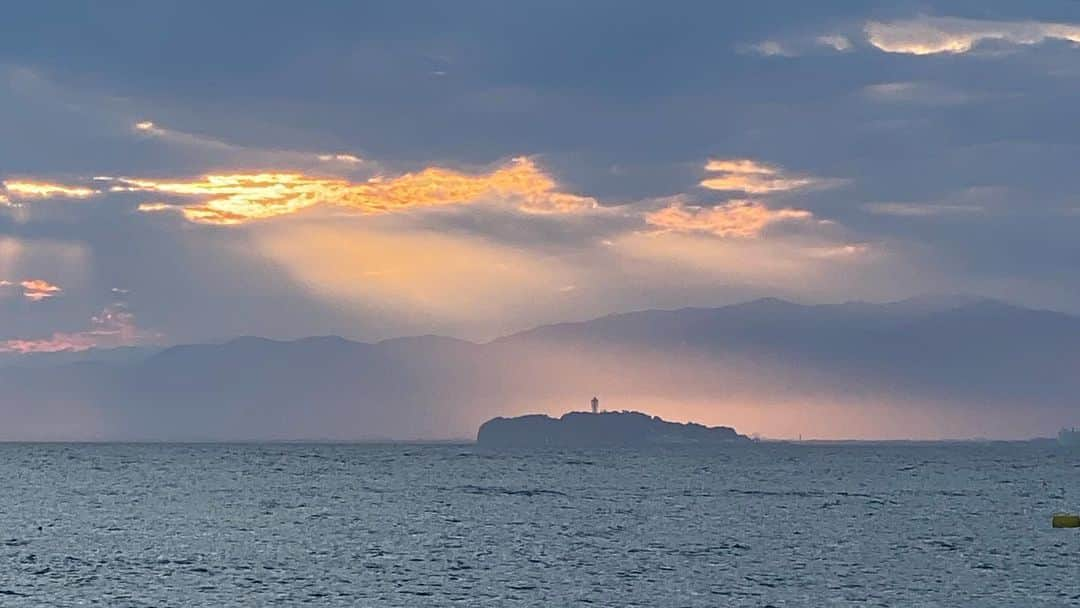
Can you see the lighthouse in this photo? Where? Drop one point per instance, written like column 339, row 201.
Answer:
column 595, row 405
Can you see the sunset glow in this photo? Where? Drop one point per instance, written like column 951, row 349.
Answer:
column 750, row 176
column 929, row 36
column 238, row 198
column 744, row 219
column 30, row 189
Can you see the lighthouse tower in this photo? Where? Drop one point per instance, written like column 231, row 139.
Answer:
column 595, row 405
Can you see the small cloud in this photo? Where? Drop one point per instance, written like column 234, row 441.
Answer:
column 157, row 207
column 920, row 209
column 914, row 92
column 850, row 250
column 750, row 176
column 149, row 127
column 113, row 327
column 34, row 290
column 950, row 35
column 340, row 158
column 558, row 203
column 738, row 218
column 17, row 189
column 37, row 290
column 770, row 48
column 835, row 42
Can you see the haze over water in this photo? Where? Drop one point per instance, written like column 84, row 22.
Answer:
column 449, row 525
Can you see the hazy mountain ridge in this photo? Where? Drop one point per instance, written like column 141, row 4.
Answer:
column 960, row 352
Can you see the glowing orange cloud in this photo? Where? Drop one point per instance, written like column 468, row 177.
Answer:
column 745, row 219
column 37, row 290
column 933, row 35
column 242, row 197
column 745, row 175
column 112, row 327
column 28, row 189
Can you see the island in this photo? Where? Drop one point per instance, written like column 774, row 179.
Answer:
column 602, row 429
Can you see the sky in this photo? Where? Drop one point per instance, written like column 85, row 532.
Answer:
column 178, row 172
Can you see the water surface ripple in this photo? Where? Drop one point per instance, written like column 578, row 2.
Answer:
column 450, row 525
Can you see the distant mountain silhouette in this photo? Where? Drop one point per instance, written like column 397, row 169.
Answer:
column 968, row 355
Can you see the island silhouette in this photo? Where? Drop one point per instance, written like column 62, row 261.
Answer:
column 598, row 429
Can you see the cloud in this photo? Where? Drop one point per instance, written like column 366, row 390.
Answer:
column 920, row 209
column 744, row 219
column 770, row 48
column 172, row 136
column 113, row 327
column 149, row 128
column 22, row 190
column 341, row 158
column 797, row 46
column 934, row 35
column 835, row 42
column 37, row 290
column 915, row 93
column 750, row 176
column 839, row 251
column 242, row 197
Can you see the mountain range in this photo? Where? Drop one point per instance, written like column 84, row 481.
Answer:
column 925, row 367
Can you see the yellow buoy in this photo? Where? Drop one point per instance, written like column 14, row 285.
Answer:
column 1065, row 520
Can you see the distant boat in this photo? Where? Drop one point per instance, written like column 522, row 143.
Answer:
column 1069, row 437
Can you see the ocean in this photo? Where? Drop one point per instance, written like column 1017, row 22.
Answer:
column 767, row 524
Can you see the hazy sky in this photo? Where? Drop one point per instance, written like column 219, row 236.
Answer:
column 188, row 171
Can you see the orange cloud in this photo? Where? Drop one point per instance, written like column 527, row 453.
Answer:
column 242, row 197
column 745, row 175
column 37, row 290
column 113, row 327
column 745, row 219
column 933, row 35
column 29, row 189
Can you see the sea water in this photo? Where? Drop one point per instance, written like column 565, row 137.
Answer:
column 449, row 525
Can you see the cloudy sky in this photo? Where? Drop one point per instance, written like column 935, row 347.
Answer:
column 189, row 171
